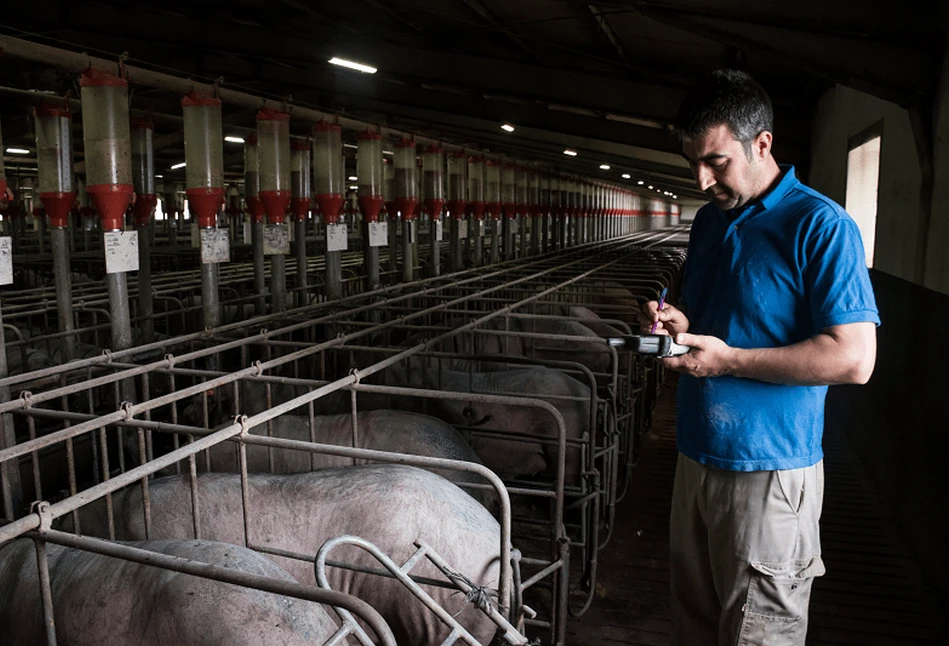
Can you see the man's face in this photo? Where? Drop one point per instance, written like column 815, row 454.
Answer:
column 722, row 168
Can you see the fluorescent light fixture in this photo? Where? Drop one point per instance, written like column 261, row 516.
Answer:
column 234, row 140
column 159, row 176
column 507, row 127
column 354, row 188
column 350, row 146
column 625, row 175
column 183, row 164
column 572, row 153
column 649, row 187
column 675, row 197
column 353, row 178
column 604, row 166
column 18, row 151
column 353, row 65
column 387, row 152
column 640, row 182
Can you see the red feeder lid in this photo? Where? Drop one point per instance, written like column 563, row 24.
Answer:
column 405, row 142
column 299, row 144
column 251, row 139
column 272, row 114
column 368, row 135
column 323, row 126
column 434, row 148
column 94, row 77
column 46, row 110
column 141, row 123
column 200, row 98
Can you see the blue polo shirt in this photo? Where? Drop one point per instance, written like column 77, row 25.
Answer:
column 785, row 268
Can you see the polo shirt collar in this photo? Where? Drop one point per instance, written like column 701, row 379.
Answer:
column 772, row 198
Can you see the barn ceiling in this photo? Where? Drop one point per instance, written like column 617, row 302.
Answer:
column 603, row 78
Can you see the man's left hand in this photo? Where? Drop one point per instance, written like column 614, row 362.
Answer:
column 709, row 357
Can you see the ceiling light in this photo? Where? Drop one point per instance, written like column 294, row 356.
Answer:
column 387, row 152
column 572, row 153
column 649, row 187
column 18, row 151
column 507, row 127
column 353, row 178
column 350, row 146
column 234, row 140
column 640, row 182
column 604, row 166
column 625, row 175
column 359, row 67
column 159, row 176
column 183, row 164
column 675, row 197
column 354, row 188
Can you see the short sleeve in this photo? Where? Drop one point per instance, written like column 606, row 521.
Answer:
column 836, row 276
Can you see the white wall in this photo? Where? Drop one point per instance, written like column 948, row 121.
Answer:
column 688, row 208
column 842, row 113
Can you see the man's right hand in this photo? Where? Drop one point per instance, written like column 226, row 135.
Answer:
column 670, row 320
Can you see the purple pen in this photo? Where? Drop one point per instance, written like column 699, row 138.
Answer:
column 662, row 302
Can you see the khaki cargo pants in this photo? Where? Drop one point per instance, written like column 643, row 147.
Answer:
column 745, row 548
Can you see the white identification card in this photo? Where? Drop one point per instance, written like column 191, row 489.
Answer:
column 248, row 236
column 6, row 260
column 481, row 228
column 276, row 240
column 462, row 230
column 195, row 236
column 215, row 246
column 336, row 237
column 439, row 230
column 514, row 226
column 378, row 234
column 121, row 251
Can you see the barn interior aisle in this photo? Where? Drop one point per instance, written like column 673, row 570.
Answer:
column 872, row 594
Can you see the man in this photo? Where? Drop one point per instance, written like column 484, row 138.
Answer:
column 776, row 305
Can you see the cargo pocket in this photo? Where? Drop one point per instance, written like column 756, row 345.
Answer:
column 775, row 610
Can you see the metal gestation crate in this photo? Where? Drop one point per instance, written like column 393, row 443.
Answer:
column 104, row 422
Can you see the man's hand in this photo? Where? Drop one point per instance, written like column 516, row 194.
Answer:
column 709, row 356
column 669, row 320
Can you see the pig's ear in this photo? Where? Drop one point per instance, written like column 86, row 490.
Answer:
column 472, row 417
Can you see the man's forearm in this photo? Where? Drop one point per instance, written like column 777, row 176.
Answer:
column 825, row 358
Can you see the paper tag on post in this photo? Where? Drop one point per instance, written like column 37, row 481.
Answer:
column 248, row 236
column 121, row 251
column 462, row 230
column 439, row 230
column 6, row 260
column 276, row 240
column 481, row 228
column 378, row 234
column 336, row 237
column 514, row 226
column 195, row 235
column 215, row 246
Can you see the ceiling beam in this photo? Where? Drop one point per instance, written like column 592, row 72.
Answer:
column 506, row 31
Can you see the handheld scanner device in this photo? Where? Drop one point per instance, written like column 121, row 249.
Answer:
column 653, row 345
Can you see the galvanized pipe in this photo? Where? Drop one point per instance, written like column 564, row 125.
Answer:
column 260, row 285
column 9, row 470
column 210, row 296
column 63, row 280
column 278, row 282
column 146, row 302
column 409, row 245
column 434, row 245
column 495, row 256
column 334, row 276
column 370, row 259
column 299, row 241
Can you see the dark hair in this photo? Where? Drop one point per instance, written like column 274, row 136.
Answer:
column 728, row 97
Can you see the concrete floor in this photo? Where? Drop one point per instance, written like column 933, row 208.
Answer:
column 871, row 594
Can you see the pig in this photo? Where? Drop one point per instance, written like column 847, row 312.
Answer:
column 389, row 505
column 102, row 600
column 507, row 459
column 381, row 430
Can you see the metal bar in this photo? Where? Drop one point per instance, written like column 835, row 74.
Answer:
column 293, row 589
